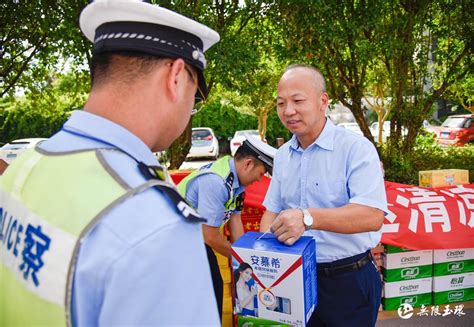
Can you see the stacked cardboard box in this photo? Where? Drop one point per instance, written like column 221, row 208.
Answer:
column 407, row 277
column 453, row 272
column 247, row 321
column 443, row 177
column 226, row 273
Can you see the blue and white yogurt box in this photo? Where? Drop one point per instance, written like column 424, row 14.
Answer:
column 274, row 281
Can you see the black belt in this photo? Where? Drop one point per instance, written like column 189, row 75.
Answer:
column 335, row 270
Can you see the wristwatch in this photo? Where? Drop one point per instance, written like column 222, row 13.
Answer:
column 307, row 219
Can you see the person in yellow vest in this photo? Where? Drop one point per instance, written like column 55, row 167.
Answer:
column 91, row 230
column 217, row 192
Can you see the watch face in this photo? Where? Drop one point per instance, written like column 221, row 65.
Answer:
column 307, row 219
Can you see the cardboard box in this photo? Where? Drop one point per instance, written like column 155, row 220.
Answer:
column 222, row 261
column 281, row 279
column 227, row 287
column 407, row 265
column 3, row 166
column 415, row 292
column 256, row 322
column 443, row 177
column 227, row 305
column 227, row 320
column 394, row 249
column 453, row 261
column 453, row 288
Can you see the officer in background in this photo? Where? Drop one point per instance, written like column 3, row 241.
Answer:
column 217, row 192
column 92, row 232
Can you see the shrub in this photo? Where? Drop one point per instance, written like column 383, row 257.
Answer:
column 224, row 120
column 426, row 155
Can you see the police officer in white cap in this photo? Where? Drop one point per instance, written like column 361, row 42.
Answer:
column 217, row 192
column 92, row 233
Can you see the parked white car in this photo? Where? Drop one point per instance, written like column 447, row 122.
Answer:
column 374, row 129
column 239, row 137
column 11, row 150
column 204, row 143
column 353, row 127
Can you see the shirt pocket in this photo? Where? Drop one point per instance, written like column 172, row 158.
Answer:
column 332, row 192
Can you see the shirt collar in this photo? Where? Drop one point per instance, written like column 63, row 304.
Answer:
column 325, row 140
column 104, row 130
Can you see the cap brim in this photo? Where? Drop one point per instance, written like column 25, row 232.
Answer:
column 267, row 162
column 264, row 158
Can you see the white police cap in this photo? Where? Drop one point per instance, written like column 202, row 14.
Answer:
column 138, row 26
column 262, row 151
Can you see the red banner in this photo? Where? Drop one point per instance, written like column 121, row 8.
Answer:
column 429, row 218
column 418, row 218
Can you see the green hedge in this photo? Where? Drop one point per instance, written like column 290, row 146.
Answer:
column 427, row 155
column 25, row 123
column 225, row 121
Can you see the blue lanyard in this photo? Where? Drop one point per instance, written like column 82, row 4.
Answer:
column 154, row 172
column 64, row 129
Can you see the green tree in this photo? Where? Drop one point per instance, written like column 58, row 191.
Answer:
column 462, row 92
column 426, row 49
column 41, row 113
column 36, row 37
column 376, row 96
column 229, row 60
column 336, row 38
column 423, row 46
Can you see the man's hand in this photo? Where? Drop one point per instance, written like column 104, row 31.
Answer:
column 288, row 226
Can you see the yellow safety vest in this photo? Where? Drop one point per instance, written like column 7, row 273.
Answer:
column 222, row 169
column 48, row 203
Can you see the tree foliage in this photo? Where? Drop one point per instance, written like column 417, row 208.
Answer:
column 235, row 60
column 401, row 56
column 420, row 48
column 36, row 37
column 42, row 113
column 423, row 55
column 337, row 39
column 403, row 167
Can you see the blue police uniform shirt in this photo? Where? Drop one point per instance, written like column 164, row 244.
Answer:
column 142, row 264
column 340, row 167
column 208, row 194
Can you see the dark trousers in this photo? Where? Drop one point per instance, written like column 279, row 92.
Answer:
column 349, row 298
column 216, row 278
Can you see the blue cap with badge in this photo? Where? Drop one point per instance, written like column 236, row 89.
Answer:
column 134, row 25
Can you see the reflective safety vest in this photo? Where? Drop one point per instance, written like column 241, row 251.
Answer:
column 222, row 169
column 48, row 203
